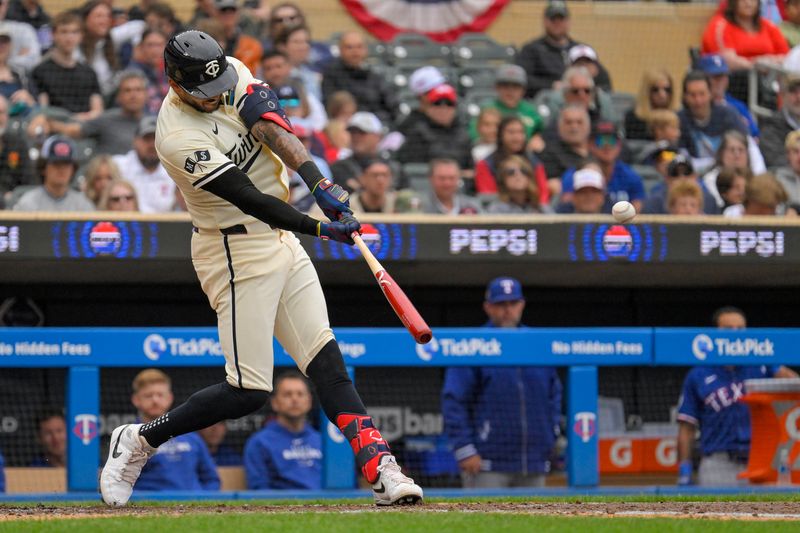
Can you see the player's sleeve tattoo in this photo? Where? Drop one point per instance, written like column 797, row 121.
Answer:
column 284, row 144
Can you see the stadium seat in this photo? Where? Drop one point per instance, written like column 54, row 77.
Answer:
column 540, row 103
column 650, row 177
column 415, row 49
column 408, row 101
column 378, row 53
column 474, row 49
column 470, row 79
column 416, row 175
column 477, row 98
column 622, row 102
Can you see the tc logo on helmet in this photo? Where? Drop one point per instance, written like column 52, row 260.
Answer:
column 212, row 68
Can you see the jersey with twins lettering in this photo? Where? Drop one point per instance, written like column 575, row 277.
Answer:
column 710, row 400
column 196, row 147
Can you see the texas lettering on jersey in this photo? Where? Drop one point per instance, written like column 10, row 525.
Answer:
column 725, row 396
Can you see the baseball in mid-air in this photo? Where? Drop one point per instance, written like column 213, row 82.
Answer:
column 623, row 212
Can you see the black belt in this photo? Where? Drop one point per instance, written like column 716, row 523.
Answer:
column 238, row 229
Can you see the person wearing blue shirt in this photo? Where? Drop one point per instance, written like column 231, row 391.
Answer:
column 52, row 436
column 287, row 452
column 622, row 182
column 710, row 402
column 183, row 462
column 221, row 452
column 502, row 422
column 716, row 68
column 2, row 474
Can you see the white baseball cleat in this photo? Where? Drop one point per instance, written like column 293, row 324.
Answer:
column 127, row 455
column 393, row 487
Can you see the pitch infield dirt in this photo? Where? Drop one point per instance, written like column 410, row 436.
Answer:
column 698, row 510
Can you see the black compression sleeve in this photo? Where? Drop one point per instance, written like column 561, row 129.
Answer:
column 234, row 186
column 311, row 174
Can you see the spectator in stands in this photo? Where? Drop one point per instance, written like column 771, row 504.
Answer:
column 119, row 195
column 351, row 73
column 183, row 462
column 716, row 69
column 81, row 94
column 141, row 167
column 52, row 436
column 375, row 194
column 544, row 59
column 589, row 193
column 679, row 168
column 161, row 18
column 702, row 121
column 518, row 192
column 570, row 148
column 763, row 196
column 100, row 171
column 790, row 26
column 149, row 60
column 277, row 72
column 685, row 198
column 502, row 421
column 578, row 88
column 511, row 140
column 656, row 93
column 295, row 42
column 486, row 129
column 710, row 402
column 741, row 36
column 731, row 185
column 25, row 49
column 13, row 81
column 665, row 126
column 222, row 453
column 435, row 130
column 444, row 197
column 334, row 136
column 732, row 154
column 104, row 47
column 2, row 474
column 622, row 182
column 29, row 12
column 15, row 164
column 287, row 14
column 115, row 129
column 365, row 131
column 510, row 82
column 243, row 47
column 583, row 55
column 287, row 452
column 57, row 166
column 775, row 128
column 789, row 175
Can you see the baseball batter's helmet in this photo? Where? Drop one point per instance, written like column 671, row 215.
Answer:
column 197, row 63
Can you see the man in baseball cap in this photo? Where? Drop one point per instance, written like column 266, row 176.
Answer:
column 718, row 72
column 57, row 165
column 589, row 195
column 516, row 452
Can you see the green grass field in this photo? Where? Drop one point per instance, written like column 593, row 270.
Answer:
column 605, row 514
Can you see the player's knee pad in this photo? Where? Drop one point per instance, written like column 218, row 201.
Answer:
column 367, row 442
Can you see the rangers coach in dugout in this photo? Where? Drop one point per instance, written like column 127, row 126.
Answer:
column 224, row 139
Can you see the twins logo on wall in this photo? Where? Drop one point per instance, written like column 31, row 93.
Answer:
column 85, row 427
column 602, row 242
column 387, row 241
column 92, row 239
column 585, row 425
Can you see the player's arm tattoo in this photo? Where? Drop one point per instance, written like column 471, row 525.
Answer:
column 282, row 143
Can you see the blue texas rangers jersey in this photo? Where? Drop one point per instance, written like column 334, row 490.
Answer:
column 710, row 400
column 181, row 463
column 276, row 458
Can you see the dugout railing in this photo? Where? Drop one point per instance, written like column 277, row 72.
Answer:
column 84, row 351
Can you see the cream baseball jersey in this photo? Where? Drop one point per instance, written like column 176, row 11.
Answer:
column 196, row 147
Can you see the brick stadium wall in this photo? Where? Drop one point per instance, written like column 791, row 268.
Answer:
column 629, row 36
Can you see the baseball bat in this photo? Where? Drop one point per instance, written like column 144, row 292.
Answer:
column 402, row 306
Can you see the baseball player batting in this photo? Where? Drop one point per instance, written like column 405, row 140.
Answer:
column 224, row 139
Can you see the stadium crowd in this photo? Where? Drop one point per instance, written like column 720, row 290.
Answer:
column 407, row 126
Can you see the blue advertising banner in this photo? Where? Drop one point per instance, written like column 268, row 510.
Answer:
column 754, row 346
column 121, row 347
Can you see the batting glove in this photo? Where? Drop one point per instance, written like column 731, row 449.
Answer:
column 340, row 231
column 685, row 473
column 332, row 199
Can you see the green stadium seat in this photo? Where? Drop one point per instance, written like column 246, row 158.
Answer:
column 414, row 49
column 476, row 49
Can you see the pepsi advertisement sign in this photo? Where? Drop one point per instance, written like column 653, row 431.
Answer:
column 755, row 346
column 105, row 239
column 617, row 242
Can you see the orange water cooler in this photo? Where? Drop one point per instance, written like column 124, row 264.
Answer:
column 775, row 421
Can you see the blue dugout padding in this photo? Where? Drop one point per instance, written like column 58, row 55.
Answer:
column 85, row 350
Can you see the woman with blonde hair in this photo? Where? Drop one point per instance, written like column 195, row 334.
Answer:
column 119, row 195
column 517, row 190
column 656, row 91
column 99, row 172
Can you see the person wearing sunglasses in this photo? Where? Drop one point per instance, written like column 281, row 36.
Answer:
column 435, row 130
column 678, row 169
column 289, row 14
column 517, row 190
column 578, row 88
column 656, row 93
column 119, row 195
column 245, row 48
column 622, row 182
column 774, row 129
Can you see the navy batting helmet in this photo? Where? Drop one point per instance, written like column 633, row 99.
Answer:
column 196, row 62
